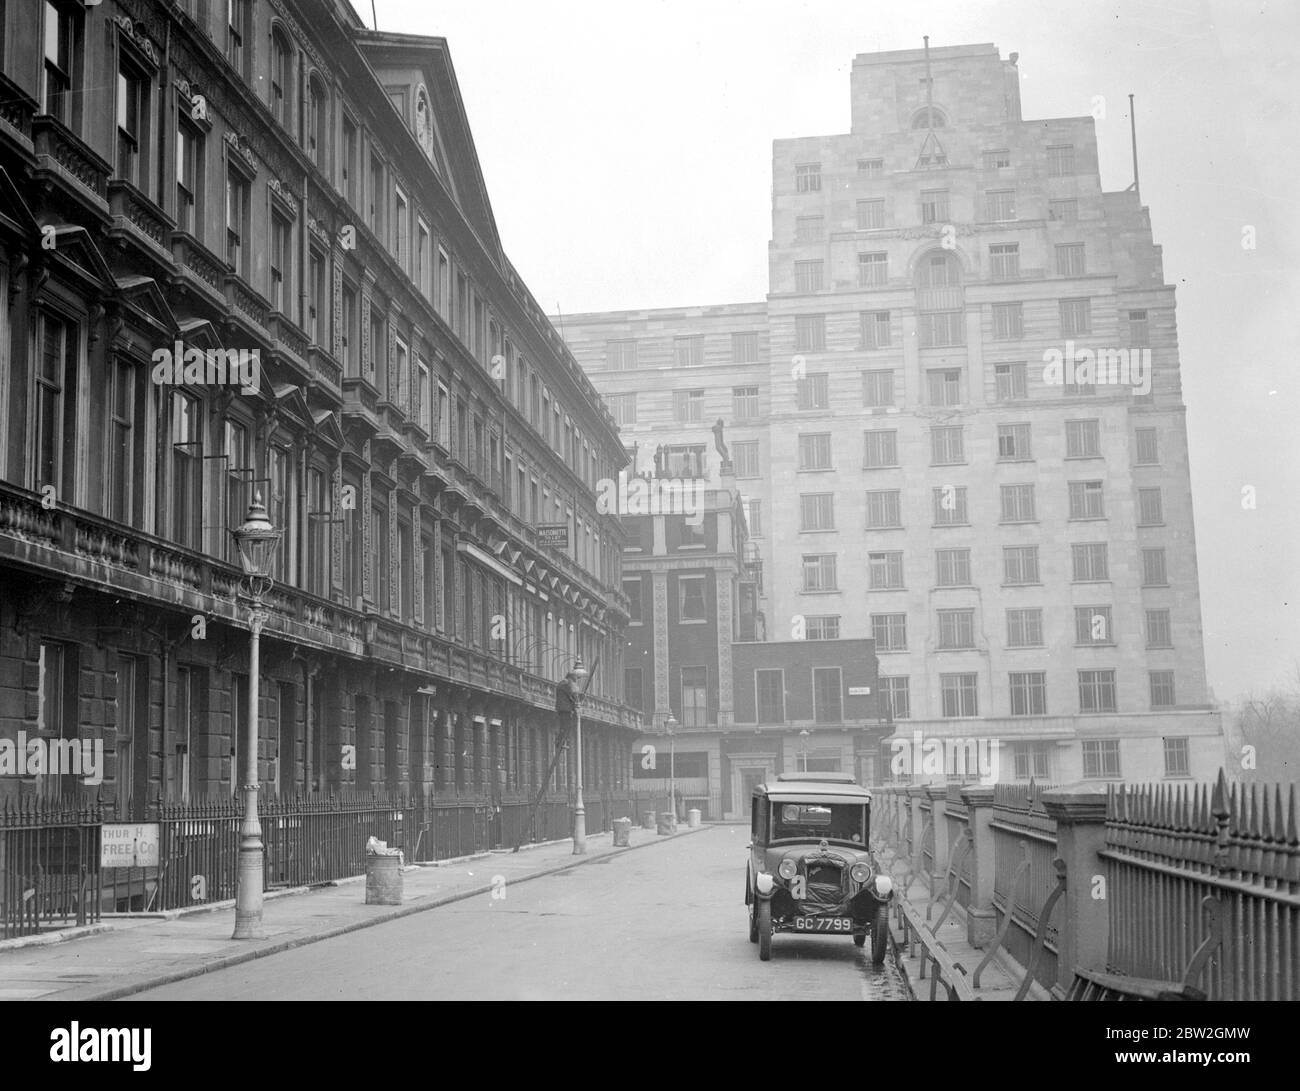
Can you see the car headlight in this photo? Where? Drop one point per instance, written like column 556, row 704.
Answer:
column 884, row 886
column 788, row 869
column 764, row 882
column 860, row 872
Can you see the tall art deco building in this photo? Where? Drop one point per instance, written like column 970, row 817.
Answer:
column 1019, row 545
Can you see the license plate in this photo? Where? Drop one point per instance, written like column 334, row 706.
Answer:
column 823, row 924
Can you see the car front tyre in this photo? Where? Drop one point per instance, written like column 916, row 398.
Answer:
column 880, row 935
column 764, row 918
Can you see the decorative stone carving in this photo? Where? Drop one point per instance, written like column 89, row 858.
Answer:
column 238, row 143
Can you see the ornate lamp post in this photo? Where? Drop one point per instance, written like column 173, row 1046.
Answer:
column 671, row 726
column 579, row 808
column 256, row 540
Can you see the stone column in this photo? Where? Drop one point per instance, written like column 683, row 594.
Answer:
column 1079, row 811
column 981, row 918
column 914, row 796
column 938, row 795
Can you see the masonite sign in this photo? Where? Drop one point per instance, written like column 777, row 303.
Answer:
column 553, row 534
column 859, row 691
column 128, row 844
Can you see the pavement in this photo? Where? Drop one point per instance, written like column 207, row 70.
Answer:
column 129, row 954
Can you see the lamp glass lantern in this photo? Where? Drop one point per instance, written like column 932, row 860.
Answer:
column 256, row 540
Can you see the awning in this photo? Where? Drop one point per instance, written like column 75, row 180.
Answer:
column 489, row 561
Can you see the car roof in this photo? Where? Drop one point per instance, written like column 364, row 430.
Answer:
column 803, row 788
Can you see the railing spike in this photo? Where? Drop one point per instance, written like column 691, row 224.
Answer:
column 1254, row 811
column 1266, row 818
column 1219, row 797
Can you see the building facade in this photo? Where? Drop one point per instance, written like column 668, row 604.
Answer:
column 288, row 207
column 959, row 417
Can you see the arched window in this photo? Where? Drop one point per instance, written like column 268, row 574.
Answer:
column 424, row 122
column 281, row 76
column 928, row 118
column 317, row 120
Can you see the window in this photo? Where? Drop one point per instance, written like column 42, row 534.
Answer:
column 1096, row 693
column 1028, row 694
column 885, row 570
column 875, row 332
column 236, row 219
column 281, row 256
column 950, row 506
column 744, row 348
column 889, row 631
column 880, row 449
column 236, row 32
column 809, row 228
column 1162, row 689
column 1069, row 260
column 320, row 512
column 769, row 692
column 1147, row 444
column 189, row 173
column 632, row 589
column 1153, row 568
column 620, row 355
column 813, row 391
column 744, row 403
column 623, row 407
column 1060, row 160
column 817, row 511
column 377, row 196
column 1086, row 500
column 946, row 447
column 443, row 289
column 1177, row 758
column 690, row 599
column 187, row 470
column 928, row 118
column 944, row 386
column 695, row 696
column 238, row 472
column 1019, row 564
column 1150, row 509
column 952, row 567
column 378, row 348
column 132, row 122
column 898, row 700
column 1000, row 204
column 1063, row 211
column 1010, row 381
column 57, row 689
column 810, row 333
column 1008, row 321
column 688, row 351
column 316, row 136
column 317, row 298
column 1082, row 439
column 828, row 694
column 997, row 158
column 1092, row 625
column 1017, row 503
column 62, row 29
column 1158, row 629
column 688, row 405
column 883, row 509
column 1139, row 333
column 808, row 178
column 872, row 168
column 940, row 330
column 57, row 369
column 350, row 338
column 401, row 230
column 960, row 694
column 819, row 572
column 349, row 162
column 1004, row 261
column 754, row 517
column 871, row 214
column 1076, row 316
column 684, row 460
column 1013, row 443
column 877, row 388
column 745, row 453
column 281, row 77
column 121, row 444
column 1089, row 563
column 873, row 270
column 1025, row 628
column 1101, row 759
column 815, row 451
column 934, row 206
column 808, row 276
column 822, row 627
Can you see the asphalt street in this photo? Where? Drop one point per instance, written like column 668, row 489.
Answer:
column 664, row 922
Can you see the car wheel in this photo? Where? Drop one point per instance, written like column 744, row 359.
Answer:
column 880, row 935
column 764, row 916
column 753, row 924
column 859, row 939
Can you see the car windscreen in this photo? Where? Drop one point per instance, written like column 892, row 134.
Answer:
column 815, row 821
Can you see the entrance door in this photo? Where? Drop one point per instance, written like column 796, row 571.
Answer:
column 749, row 780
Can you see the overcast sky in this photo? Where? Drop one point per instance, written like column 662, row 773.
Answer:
column 627, row 150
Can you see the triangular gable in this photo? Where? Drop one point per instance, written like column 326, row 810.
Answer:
column 199, row 333
column 15, row 216
column 290, row 403
column 327, row 429
column 143, row 297
column 76, row 252
column 932, row 153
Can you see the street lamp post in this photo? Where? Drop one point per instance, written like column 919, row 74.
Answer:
column 255, row 539
column 803, row 748
column 672, row 766
column 579, row 808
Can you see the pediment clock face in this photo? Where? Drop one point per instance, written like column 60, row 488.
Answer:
column 423, row 132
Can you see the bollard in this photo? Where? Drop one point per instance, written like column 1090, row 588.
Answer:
column 622, row 832
column 693, row 817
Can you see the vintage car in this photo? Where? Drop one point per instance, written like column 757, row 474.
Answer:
column 810, row 870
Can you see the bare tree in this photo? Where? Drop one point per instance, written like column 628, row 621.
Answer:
column 1269, row 729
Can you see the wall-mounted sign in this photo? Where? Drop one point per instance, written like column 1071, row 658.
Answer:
column 859, row 691
column 553, row 534
column 128, row 844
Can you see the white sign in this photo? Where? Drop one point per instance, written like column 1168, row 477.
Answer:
column 128, row 844
column 859, row 691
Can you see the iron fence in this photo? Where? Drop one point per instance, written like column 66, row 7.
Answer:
column 49, row 865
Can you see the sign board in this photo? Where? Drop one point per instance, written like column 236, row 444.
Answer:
column 128, row 844
column 859, row 691
column 553, row 534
